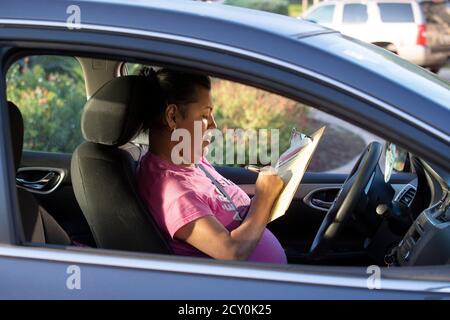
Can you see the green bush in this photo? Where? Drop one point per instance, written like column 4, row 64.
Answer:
column 50, row 93
column 295, row 10
column 275, row 6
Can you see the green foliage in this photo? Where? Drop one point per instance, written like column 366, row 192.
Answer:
column 50, row 93
column 295, row 9
column 133, row 68
column 275, row 6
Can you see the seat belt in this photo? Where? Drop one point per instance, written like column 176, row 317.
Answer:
column 218, row 185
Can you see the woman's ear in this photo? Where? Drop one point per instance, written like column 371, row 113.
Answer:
column 170, row 116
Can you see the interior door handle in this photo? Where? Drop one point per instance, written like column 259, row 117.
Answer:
column 322, row 198
column 39, row 179
column 37, row 184
column 321, row 204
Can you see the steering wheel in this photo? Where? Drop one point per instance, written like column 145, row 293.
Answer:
column 347, row 198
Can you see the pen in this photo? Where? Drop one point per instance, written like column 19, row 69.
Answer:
column 253, row 168
column 262, row 170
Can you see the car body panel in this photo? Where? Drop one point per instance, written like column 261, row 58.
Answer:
column 109, row 275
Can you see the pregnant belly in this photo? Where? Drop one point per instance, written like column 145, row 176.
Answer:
column 268, row 250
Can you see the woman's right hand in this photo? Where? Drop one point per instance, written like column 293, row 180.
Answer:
column 268, row 185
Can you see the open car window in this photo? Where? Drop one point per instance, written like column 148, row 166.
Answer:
column 239, row 106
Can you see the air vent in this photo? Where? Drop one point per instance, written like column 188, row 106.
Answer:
column 408, row 196
column 441, row 218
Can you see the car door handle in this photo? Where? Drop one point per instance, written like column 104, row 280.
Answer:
column 321, row 204
column 49, row 179
column 36, row 184
column 320, row 197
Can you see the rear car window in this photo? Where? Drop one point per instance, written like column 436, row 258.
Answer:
column 396, row 12
column 355, row 13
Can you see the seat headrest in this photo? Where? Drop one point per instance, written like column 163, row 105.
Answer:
column 113, row 115
column 16, row 127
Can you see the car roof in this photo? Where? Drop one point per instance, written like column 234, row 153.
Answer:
column 157, row 10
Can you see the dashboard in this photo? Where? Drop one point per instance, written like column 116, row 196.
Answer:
column 427, row 242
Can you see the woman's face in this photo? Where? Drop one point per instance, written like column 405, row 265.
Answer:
column 198, row 118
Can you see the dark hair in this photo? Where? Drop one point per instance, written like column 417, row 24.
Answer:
column 170, row 87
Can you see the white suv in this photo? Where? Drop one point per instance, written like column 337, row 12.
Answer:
column 416, row 31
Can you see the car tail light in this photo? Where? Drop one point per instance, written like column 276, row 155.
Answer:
column 421, row 35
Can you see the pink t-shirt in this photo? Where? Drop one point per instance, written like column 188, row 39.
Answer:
column 176, row 195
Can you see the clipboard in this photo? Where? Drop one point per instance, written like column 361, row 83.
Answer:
column 291, row 167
